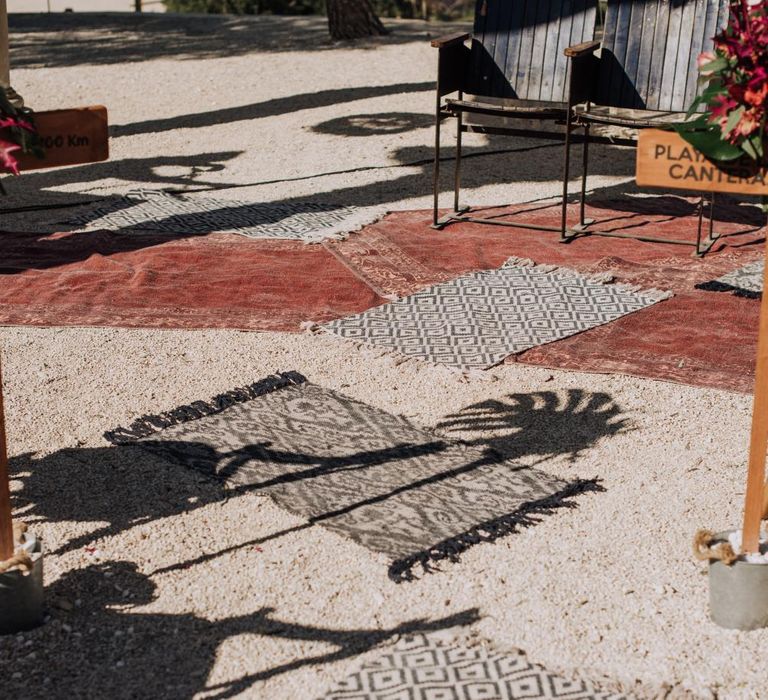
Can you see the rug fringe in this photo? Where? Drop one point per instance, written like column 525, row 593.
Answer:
column 150, row 424
column 352, row 224
column 492, row 530
column 376, row 352
column 652, row 294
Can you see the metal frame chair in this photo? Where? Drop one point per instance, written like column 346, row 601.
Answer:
column 518, row 68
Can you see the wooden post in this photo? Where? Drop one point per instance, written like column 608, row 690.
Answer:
column 137, row 5
column 754, row 501
column 659, row 158
column 5, row 64
column 6, row 527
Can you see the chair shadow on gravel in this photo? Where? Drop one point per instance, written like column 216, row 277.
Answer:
column 108, row 644
column 383, row 123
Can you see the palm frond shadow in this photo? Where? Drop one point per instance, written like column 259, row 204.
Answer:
column 540, row 423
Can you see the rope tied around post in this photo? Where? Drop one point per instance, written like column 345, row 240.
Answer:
column 20, row 559
column 703, row 549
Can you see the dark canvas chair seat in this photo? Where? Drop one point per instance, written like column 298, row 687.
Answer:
column 646, row 76
column 631, row 118
column 515, row 72
column 507, row 107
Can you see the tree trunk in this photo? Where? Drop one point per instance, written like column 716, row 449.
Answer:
column 353, row 19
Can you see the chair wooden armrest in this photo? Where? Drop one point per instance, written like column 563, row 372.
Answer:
column 587, row 48
column 444, row 42
column 584, row 68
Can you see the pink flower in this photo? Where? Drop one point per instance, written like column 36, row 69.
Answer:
column 7, row 160
column 14, row 121
column 747, row 125
column 703, row 60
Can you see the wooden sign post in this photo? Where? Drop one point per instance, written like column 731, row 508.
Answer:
column 6, row 526
column 666, row 160
column 69, row 137
column 755, row 499
column 5, row 64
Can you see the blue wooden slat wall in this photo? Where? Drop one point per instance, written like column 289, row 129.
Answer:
column 650, row 48
column 517, row 48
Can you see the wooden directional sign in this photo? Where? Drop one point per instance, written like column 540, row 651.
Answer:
column 665, row 160
column 70, row 137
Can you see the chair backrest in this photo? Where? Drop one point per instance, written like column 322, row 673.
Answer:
column 517, row 46
column 649, row 51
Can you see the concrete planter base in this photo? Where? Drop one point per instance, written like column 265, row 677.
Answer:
column 21, row 594
column 738, row 594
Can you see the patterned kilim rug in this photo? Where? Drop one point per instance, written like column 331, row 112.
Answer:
column 359, row 471
column 475, row 321
column 422, row 667
column 746, row 281
column 158, row 211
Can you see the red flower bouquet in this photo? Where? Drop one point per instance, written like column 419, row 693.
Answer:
column 17, row 134
column 735, row 75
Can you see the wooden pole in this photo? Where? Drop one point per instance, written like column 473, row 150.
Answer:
column 6, row 527
column 754, row 500
column 5, row 64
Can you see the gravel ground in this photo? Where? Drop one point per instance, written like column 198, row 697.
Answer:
column 160, row 584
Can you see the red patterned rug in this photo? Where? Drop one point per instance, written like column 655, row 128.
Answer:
column 147, row 281
column 225, row 281
column 698, row 337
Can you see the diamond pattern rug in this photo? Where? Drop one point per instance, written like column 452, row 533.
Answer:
column 164, row 212
column 360, row 472
column 745, row 281
column 422, row 667
column 475, row 321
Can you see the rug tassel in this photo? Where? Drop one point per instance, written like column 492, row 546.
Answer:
column 150, row 424
column 529, row 514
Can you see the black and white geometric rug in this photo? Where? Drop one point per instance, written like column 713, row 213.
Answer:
column 164, row 212
column 747, row 281
column 421, row 667
column 475, row 321
column 359, row 471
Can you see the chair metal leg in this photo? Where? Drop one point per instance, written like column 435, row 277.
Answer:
column 457, row 171
column 566, row 174
column 583, row 222
column 436, row 169
column 705, row 245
